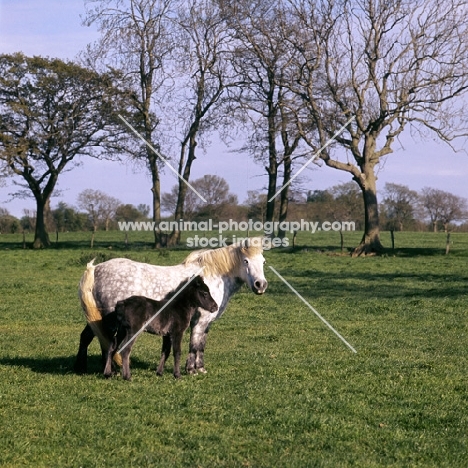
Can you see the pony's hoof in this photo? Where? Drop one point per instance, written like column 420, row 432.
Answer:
column 177, row 376
column 202, row 370
column 191, row 371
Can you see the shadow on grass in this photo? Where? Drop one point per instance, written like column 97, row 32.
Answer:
column 382, row 285
column 63, row 365
column 397, row 252
column 82, row 245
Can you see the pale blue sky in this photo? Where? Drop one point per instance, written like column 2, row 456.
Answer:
column 53, row 28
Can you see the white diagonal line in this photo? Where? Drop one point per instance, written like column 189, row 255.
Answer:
column 159, row 156
column 313, row 158
column 313, row 310
column 142, row 329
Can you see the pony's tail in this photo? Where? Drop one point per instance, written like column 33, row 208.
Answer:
column 90, row 309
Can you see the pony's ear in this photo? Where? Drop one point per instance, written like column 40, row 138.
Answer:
column 245, row 244
column 254, row 243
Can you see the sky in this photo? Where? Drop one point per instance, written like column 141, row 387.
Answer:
column 53, row 28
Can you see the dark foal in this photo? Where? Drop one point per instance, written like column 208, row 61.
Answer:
column 132, row 313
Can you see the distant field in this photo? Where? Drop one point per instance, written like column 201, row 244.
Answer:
column 405, row 242
column 281, row 389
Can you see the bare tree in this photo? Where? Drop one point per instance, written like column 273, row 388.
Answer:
column 347, row 203
column 201, row 81
column 214, row 189
column 432, row 201
column 100, row 207
column 260, row 61
column 191, row 201
column 136, row 37
column 385, row 64
column 399, row 205
column 443, row 207
column 256, row 203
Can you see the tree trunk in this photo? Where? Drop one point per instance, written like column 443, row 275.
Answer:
column 174, row 237
column 270, row 206
column 284, row 200
column 41, row 237
column 156, row 190
column 370, row 243
column 272, row 168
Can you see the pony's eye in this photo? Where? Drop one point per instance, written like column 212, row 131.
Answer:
column 246, row 261
column 264, row 261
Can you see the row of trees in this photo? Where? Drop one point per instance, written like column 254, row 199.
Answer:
column 288, row 73
column 402, row 208
column 96, row 213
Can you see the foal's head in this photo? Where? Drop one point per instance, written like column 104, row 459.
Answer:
column 200, row 294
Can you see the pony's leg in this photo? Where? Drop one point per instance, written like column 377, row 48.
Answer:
column 165, row 353
column 200, row 359
column 177, row 344
column 81, row 363
column 195, row 361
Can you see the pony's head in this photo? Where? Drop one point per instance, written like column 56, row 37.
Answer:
column 243, row 260
column 251, row 263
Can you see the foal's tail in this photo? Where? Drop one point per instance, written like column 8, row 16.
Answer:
column 90, row 309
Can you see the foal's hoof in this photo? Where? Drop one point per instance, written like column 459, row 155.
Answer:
column 202, row 370
column 191, row 371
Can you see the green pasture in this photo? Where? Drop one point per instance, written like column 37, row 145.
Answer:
column 281, row 390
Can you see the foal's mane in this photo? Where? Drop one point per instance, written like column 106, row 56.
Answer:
column 172, row 293
column 224, row 260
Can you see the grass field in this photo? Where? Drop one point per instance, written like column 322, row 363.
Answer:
column 281, row 389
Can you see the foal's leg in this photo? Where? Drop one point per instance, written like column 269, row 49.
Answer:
column 81, row 364
column 177, row 344
column 126, row 363
column 123, row 336
column 165, row 352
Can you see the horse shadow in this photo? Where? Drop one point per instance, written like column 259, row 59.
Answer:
column 63, row 365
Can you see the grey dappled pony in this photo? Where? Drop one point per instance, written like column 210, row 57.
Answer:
column 224, row 271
